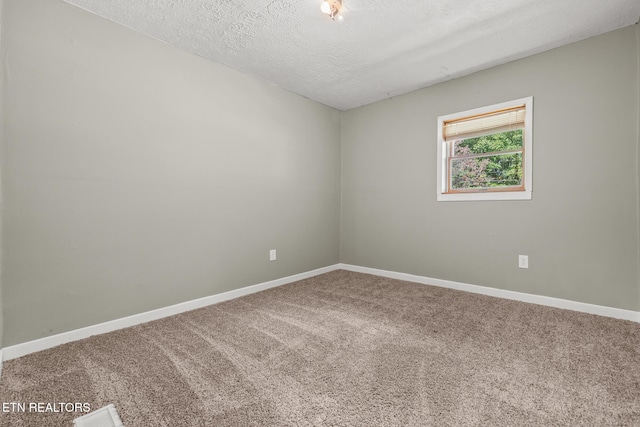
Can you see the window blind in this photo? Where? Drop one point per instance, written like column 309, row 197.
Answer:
column 485, row 124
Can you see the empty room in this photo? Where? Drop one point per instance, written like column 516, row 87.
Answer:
column 319, row 213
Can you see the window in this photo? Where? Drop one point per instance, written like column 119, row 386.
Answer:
column 485, row 153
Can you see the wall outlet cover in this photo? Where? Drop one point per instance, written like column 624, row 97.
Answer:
column 523, row 261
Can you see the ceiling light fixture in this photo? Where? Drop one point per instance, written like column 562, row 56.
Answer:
column 331, row 8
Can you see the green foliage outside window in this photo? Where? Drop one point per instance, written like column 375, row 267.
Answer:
column 494, row 170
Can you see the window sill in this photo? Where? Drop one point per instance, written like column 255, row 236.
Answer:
column 478, row 196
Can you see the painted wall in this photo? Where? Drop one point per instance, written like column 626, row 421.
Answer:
column 637, row 28
column 2, row 139
column 580, row 230
column 137, row 176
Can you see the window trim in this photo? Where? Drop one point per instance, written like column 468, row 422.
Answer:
column 501, row 193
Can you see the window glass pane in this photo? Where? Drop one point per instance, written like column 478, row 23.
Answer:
column 498, row 170
column 503, row 141
column 486, row 171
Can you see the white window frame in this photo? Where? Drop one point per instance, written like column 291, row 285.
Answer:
column 500, row 194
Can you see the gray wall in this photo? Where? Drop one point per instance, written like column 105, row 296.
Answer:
column 2, row 156
column 137, row 176
column 581, row 228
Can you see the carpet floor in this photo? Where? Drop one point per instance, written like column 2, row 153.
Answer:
column 345, row 349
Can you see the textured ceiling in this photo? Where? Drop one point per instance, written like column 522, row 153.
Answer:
column 380, row 49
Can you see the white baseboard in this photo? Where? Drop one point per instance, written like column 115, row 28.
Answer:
column 28, row 347
column 600, row 310
column 23, row 349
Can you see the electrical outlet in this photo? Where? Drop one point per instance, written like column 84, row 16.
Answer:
column 523, row 261
column 272, row 255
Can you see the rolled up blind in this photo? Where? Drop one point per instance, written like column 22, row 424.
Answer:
column 484, row 124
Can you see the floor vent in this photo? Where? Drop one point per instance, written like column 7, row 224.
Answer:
column 103, row 417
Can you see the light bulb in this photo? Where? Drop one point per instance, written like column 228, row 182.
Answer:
column 325, row 7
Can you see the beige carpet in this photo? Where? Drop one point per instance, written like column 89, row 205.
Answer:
column 346, row 349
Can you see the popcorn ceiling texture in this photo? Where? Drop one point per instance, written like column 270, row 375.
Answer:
column 382, row 48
